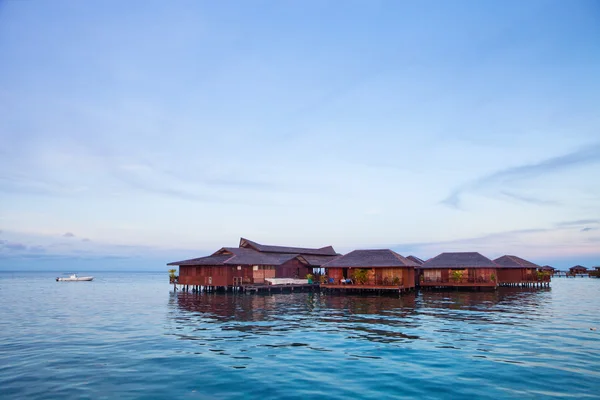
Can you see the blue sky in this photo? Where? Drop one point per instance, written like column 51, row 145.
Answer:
column 137, row 133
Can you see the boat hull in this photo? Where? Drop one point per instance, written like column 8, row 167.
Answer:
column 78, row 279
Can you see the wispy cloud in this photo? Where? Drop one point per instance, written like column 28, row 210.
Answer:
column 69, row 235
column 587, row 229
column 578, row 222
column 528, row 199
column 587, row 155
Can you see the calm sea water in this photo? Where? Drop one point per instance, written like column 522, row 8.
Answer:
column 127, row 335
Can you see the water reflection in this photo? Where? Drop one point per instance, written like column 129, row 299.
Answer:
column 245, row 327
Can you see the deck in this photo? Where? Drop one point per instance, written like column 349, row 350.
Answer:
column 366, row 288
column 461, row 284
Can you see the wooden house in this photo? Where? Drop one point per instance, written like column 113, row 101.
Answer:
column 464, row 269
column 548, row 269
column 516, row 271
column 251, row 263
column 371, row 268
column 578, row 269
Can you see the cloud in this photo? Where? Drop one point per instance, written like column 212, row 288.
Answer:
column 587, row 155
column 69, row 235
column 587, row 229
column 86, row 240
column 14, row 246
column 530, row 200
column 578, row 222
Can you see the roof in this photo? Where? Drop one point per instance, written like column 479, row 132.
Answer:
column 317, row 261
column 514, row 262
column 210, row 260
column 578, row 267
column 459, row 260
column 548, row 267
column 416, row 259
column 237, row 256
column 371, row 258
column 323, row 251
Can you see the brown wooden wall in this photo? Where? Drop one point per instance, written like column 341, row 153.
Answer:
column 380, row 276
column 213, row 275
column 516, row 275
column 292, row 269
column 470, row 275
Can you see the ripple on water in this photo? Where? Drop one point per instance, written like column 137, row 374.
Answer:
column 127, row 336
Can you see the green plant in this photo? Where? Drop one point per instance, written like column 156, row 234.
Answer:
column 386, row 281
column 457, row 275
column 172, row 273
column 361, row 276
column 310, row 277
column 493, row 277
column 323, row 279
column 396, row 281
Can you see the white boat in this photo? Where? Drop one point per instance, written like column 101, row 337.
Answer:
column 75, row 278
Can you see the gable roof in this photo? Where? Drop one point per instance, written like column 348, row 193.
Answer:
column 237, row 256
column 578, row 267
column 210, row 260
column 323, row 251
column 514, row 262
column 318, row 261
column 416, row 259
column 371, row 258
column 547, row 267
column 459, row 260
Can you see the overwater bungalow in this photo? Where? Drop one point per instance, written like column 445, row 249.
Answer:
column 382, row 269
column 250, row 264
column 463, row 269
column 548, row 269
column 516, row 271
column 578, row 270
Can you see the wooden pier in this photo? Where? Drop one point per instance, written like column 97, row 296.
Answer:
column 350, row 288
column 253, row 288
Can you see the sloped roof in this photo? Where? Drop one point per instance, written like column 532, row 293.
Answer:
column 317, row 261
column 210, row 260
column 240, row 256
column 514, row 262
column 578, row 267
column 416, row 259
column 249, row 256
column 370, row 258
column 547, row 267
column 323, row 251
column 459, row 260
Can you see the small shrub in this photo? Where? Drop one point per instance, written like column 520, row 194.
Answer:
column 361, row 276
column 457, row 275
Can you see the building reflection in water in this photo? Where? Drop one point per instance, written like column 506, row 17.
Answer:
column 383, row 319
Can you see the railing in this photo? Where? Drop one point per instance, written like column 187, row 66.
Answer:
column 462, row 280
column 376, row 282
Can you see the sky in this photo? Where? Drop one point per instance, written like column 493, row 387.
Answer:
column 137, row 133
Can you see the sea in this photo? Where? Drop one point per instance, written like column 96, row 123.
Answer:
column 128, row 335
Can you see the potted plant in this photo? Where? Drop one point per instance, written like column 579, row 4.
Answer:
column 323, row 279
column 310, row 278
column 457, row 276
column 361, row 276
column 172, row 276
